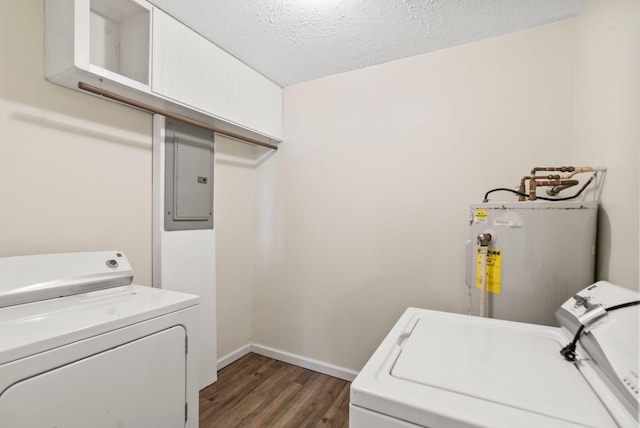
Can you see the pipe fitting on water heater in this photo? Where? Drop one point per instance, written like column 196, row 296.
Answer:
column 483, row 241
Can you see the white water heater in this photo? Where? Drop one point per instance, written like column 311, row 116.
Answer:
column 530, row 258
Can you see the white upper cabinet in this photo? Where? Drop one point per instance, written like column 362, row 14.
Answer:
column 134, row 49
column 109, row 39
column 182, row 63
column 190, row 69
column 119, row 39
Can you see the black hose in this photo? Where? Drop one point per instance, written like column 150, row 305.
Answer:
column 502, row 189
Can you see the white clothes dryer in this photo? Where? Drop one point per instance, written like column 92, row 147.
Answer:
column 437, row 369
column 80, row 346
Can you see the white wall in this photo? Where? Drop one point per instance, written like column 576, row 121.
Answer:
column 75, row 171
column 606, row 131
column 235, row 220
column 364, row 210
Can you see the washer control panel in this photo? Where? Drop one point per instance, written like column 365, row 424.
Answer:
column 610, row 339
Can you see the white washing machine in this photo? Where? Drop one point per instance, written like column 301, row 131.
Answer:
column 80, row 346
column 437, row 369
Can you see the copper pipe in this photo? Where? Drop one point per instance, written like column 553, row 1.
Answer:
column 552, row 168
column 143, row 106
column 561, row 182
column 532, row 181
column 522, row 188
column 580, row 170
column 553, row 191
column 533, row 184
column 549, row 183
column 556, row 181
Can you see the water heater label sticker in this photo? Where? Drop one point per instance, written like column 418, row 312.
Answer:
column 480, row 215
column 494, row 269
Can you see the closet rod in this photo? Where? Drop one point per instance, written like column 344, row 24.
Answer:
column 131, row 102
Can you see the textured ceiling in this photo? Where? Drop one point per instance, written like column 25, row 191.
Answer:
column 292, row 41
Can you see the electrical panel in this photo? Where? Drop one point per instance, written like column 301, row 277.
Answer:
column 189, row 161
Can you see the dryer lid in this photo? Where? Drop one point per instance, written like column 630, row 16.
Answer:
column 26, row 279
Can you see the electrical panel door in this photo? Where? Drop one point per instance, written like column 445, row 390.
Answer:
column 189, row 160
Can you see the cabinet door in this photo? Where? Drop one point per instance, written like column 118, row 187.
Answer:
column 183, row 63
column 137, row 384
column 246, row 97
column 195, row 72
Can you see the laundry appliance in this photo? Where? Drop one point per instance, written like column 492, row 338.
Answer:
column 81, row 346
column 437, row 369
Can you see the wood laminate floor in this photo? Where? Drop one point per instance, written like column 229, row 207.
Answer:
column 256, row 391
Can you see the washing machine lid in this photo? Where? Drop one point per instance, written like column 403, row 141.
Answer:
column 441, row 369
column 503, row 364
column 26, row 279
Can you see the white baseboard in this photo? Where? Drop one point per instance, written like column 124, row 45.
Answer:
column 287, row 357
column 307, row 363
column 233, row 356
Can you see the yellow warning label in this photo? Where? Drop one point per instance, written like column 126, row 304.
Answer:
column 481, row 214
column 494, row 268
